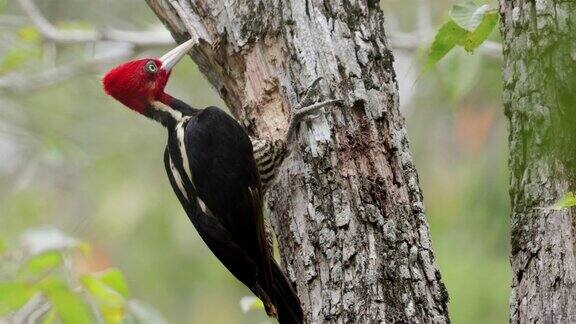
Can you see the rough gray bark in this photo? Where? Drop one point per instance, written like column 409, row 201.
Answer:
column 539, row 98
column 346, row 208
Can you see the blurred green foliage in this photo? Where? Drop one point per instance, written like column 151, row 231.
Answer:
column 40, row 283
column 26, row 48
column 469, row 26
column 73, row 158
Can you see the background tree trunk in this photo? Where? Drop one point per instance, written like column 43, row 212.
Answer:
column 539, row 92
column 347, row 208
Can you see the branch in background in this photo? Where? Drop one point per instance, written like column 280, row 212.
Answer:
column 140, row 40
column 19, row 83
column 402, row 41
column 424, row 22
column 12, row 21
column 412, row 42
column 131, row 41
column 491, row 49
column 52, row 34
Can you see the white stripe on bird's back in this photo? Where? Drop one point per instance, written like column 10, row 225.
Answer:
column 203, row 206
column 182, row 148
column 178, row 179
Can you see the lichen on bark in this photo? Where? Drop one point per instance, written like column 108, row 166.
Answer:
column 539, row 39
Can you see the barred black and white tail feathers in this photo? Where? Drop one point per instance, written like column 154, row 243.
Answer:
column 268, row 155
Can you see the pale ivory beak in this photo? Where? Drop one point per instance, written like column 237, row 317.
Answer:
column 174, row 56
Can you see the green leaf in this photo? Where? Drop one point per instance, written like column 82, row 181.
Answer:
column 469, row 27
column 17, row 55
column 29, row 34
column 110, row 302
column 112, row 315
column 110, row 291
column 85, row 249
column 14, row 295
column 114, row 279
column 26, row 48
column 51, row 283
column 481, row 33
column 468, row 15
column 70, row 307
column 569, row 200
column 248, row 303
column 458, row 73
column 102, row 292
column 41, row 263
column 448, row 36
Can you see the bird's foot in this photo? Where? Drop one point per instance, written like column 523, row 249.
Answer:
column 301, row 111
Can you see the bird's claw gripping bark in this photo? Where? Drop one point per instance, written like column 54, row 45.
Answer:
column 302, row 111
column 309, row 92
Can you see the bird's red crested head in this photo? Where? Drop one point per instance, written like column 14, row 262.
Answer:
column 137, row 83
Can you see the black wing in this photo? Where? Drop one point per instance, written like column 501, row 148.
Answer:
column 224, row 202
column 214, row 234
column 226, row 181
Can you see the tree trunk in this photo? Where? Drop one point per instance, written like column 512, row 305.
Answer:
column 539, row 99
column 346, row 206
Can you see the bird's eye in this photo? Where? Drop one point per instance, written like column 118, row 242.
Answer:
column 151, row 67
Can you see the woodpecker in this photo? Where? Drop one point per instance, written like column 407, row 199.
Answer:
column 219, row 174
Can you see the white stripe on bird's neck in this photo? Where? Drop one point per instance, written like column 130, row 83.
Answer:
column 175, row 114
